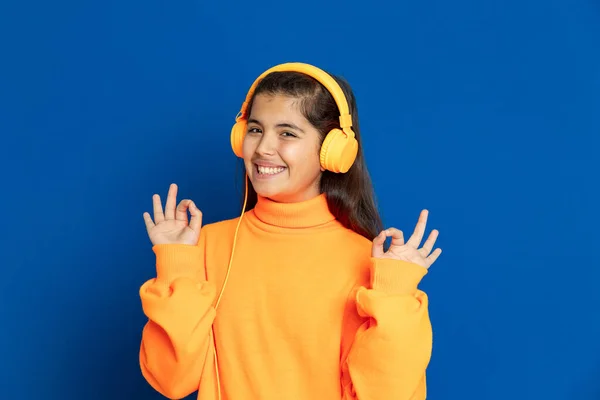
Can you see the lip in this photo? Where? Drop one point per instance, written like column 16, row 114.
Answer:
column 268, row 164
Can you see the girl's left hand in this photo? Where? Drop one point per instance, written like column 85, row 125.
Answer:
column 410, row 251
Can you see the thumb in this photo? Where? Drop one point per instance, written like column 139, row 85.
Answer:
column 377, row 249
column 196, row 220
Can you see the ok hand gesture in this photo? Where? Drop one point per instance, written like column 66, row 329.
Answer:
column 172, row 227
column 408, row 251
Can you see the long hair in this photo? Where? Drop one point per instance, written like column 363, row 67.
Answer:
column 350, row 196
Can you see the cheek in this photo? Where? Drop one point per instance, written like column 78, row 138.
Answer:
column 248, row 148
column 303, row 159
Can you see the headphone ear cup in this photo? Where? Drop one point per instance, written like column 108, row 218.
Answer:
column 237, row 137
column 338, row 151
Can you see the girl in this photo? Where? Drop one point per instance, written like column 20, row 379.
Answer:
column 296, row 299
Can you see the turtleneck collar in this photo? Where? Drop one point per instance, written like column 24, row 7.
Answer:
column 304, row 214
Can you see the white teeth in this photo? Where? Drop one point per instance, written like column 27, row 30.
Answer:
column 269, row 170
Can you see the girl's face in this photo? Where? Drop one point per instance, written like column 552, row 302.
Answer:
column 281, row 150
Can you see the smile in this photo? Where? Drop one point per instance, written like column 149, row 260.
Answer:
column 269, row 171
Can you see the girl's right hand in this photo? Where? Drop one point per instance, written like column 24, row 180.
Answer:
column 171, row 227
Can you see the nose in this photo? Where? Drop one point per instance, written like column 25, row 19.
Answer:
column 267, row 144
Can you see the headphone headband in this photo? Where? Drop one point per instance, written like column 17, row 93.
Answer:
column 321, row 76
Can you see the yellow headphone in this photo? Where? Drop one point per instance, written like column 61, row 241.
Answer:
column 339, row 149
column 338, row 152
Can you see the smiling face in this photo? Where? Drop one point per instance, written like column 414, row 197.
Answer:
column 281, row 150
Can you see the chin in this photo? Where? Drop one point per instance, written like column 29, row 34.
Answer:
column 280, row 189
column 269, row 192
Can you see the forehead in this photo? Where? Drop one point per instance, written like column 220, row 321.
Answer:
column 275, row 106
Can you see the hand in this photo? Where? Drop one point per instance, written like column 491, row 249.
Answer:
column 410, row 251
column 172, row 227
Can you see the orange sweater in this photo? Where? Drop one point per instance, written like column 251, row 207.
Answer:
column 306, row 313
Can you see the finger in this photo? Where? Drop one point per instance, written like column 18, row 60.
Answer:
column 148, row 221
column 196, row 221
column 181, row 212
column 397, row 236
column 434, row 256
column 158, row 210
column 377, row 248
column 426, row 249
column 171, row 202
column 417, row 236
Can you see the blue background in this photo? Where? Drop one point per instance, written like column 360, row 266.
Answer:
column 486, row 113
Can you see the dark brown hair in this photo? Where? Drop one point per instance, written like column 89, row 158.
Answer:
column 350, row 195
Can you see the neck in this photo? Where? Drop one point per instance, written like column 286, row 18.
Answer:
column 301, row 214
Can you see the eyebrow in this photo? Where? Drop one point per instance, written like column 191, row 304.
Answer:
column 279, row 125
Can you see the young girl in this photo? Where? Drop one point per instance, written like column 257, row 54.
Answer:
column 296, row 299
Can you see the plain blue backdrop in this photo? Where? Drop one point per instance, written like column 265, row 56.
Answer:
column 485, row 112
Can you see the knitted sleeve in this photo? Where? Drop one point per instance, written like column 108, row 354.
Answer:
column 179, row 306
column 392, row 348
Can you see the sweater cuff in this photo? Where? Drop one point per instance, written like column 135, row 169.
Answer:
column 177, row 260
column 395, row 276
